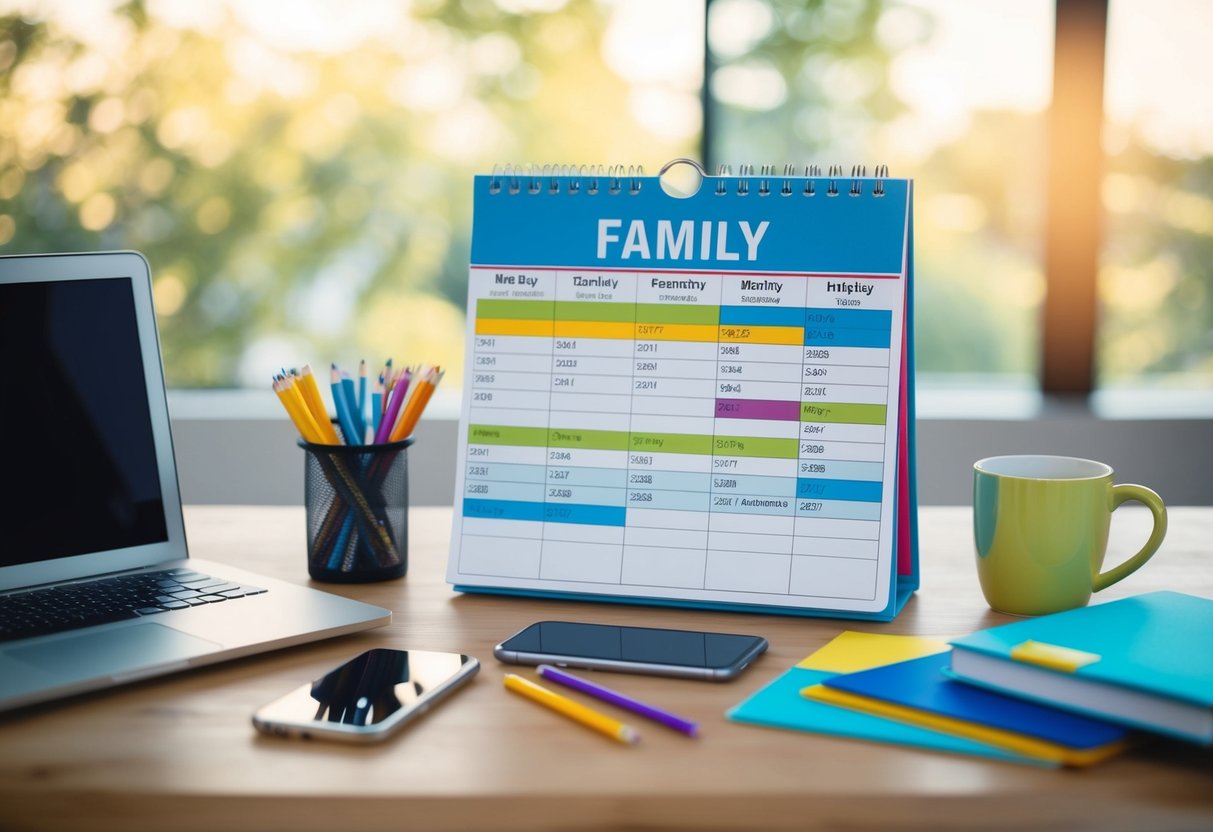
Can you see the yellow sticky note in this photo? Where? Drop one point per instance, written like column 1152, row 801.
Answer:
column 850, row 651
column 1054, row 656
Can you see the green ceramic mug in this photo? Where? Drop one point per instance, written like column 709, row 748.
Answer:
column 1041, row 528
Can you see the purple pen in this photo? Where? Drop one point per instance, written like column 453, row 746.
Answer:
column 666, row 718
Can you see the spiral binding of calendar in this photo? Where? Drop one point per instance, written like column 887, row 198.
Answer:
column 617, row 179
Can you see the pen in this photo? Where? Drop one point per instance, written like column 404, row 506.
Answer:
column 575, row 711
column 666, row 718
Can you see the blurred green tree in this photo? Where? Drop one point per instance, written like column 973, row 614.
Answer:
column 307, row 201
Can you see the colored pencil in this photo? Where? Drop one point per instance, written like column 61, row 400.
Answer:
column 575, row 711
column 377, row 406
column 666, row 718
column 311, row 395
column 416, row 406
column 351, row 404
column 343, row 408
column 399, row 390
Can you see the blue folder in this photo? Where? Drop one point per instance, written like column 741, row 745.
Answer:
column 921, row 685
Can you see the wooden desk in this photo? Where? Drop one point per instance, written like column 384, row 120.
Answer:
column 179, row 753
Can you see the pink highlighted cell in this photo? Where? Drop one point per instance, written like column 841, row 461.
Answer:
column 776, row 411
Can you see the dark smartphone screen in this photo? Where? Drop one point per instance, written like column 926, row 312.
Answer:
column 647, row 645
column 369, row 688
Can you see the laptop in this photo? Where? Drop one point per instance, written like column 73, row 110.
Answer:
column 96, row 585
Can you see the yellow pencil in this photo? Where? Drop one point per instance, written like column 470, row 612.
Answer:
column 293, row 392
column 415, row 406
column 315, row 405
column 575, row 711
column 302, row 420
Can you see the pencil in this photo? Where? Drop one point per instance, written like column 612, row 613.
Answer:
column 362, row 390
column 416, row 406
column 296, row 410
column 575, row 711
column 377, row 406
column 618, row 699
column 343, row 408
column 351, row 404
column 311, row 395
column 296, row 395
column 399, row 390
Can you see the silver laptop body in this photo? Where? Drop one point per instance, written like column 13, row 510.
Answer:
column 87, row 500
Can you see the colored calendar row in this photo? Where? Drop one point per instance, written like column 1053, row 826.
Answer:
column 866, row 328
column 616, row 515
column 661, row 313
column 861, row 491
column 806, row 336
column 642, row 477
column 620, row 440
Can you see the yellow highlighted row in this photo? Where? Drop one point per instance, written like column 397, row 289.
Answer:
column 762, row 334
column 643, row 332
column 513, row 326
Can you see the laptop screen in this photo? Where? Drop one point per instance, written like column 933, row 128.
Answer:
column 80, row 456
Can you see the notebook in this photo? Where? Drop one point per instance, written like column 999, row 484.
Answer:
column 91, row 521
column 1144, row 661
column 916, row 692
column 699, row 400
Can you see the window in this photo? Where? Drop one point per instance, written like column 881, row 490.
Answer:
column 298, row 173
column 1156, row 269
column 300, row 182
column 919, row 86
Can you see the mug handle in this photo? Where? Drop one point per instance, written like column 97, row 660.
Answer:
column 1123, row 494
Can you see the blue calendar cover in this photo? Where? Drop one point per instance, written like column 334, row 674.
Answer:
column 698, row 400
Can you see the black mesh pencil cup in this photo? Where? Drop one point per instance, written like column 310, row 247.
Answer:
column 357, row 499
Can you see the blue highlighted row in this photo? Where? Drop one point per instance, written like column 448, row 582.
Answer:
column 761, row 316
column 812, row 318
column 589, row 515
column 825, row 336
column 606, row 485
column 550, row 513
column 849, row 318
column 857, row 491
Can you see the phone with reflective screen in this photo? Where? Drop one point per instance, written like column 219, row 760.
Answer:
column 684, row 653
column 368, row 698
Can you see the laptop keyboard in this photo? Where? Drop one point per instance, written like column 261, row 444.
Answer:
column 72, row 606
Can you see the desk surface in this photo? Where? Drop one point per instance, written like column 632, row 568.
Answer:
column 180, row 753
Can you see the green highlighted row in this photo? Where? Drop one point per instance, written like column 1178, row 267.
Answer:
column 849, row 414
column 572, row 310
column 616, row 440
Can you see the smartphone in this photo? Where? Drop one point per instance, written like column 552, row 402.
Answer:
column 684, row 653
column 368, row 698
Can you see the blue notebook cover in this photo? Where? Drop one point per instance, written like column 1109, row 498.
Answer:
column 920, row 684
column 1160, row 643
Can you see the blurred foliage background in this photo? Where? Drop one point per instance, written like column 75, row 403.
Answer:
column 299, row 174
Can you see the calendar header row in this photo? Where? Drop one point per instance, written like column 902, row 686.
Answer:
column 649, row 229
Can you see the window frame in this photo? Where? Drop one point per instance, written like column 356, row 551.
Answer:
column 1073, row 228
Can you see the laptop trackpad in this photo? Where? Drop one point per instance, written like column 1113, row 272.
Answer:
column 114, row 652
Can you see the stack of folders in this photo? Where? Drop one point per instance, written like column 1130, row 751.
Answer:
column 1145, row 662
column 1069, row 689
